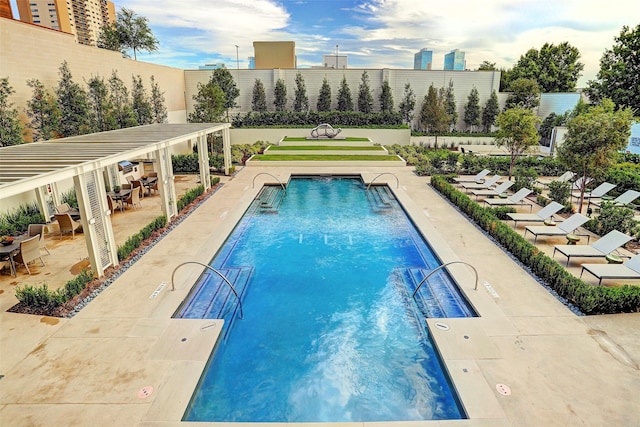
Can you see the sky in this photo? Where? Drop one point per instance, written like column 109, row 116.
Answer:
column 381, row 33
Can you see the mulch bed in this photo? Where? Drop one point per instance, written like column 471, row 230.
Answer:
column 70, row 306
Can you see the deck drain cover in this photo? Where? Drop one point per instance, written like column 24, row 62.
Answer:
column 442, row 326
column 503, row 389
column 145, row 392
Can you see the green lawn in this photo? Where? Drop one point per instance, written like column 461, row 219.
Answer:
column 323, row 147
column 326, row 157
column 349, row 138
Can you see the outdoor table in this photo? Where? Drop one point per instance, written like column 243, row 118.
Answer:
column 120, row 196
column 11, row 250
column 148, row 182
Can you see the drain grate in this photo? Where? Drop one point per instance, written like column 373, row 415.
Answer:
column 145, row 392
column 503, row 389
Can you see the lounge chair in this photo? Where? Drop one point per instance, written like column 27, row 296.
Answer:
column 577, row 185
column 597, row 192
column 624, row 199
column 68, row 225
column 567, row 226
column 38, row 230
column 630, row 269
column 488, row 183
column 518, row 198
column 542, row 215
column 493, row 191
column 29, row 251
column 565, row 177
column 476, row 178
column 603, row 247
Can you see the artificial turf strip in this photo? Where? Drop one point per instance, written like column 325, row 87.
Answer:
column 349, row 138
column 325, row 157
column 323, row 147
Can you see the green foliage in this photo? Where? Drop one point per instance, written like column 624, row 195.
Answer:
column 123, row 115
column 280, row 96
column 433, row 114
column 140, row 102
column 560, row 192
column 158, row 106
column 75, row 111
column 185, row 163
column 70, row 198
column 345, row 102
column 222, row 78
column 625, row 176
column 324, row 98
column 525, row 93
column 258, row 97
column 301, row 101
column 407, row 104
column 136, row 240
column 450, row 105
column 43, row 298
column 619, row 71
column 16, row 221
column 209, row 104
column 517, row 132
column 189, row 197
column 386, row 97
column 10, row 126
column 472, row 110
column 501, row 212
column 365, row 99
column 490, row 112
column 589, row 299
column 312, row 118
column 525, row 177
column 43, row 112
column 129, row 31
column 611, row 218
column 100, row 104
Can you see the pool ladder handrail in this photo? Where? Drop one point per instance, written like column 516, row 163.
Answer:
column 222, row 276
column 253, row 184
column 441, row 267
column 385, row 173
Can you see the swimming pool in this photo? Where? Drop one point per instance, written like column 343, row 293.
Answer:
column 330, row 331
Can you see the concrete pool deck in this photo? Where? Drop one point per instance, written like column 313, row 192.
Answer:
column 123, row 361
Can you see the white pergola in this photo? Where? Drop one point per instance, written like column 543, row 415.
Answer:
column 88, row 159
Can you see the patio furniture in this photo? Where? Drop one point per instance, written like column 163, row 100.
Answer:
column 603, row 247
column 624, row 199
column 497, row 191
column 565, row 177
column 8, row 252
column 150, row 182
column 566, row 227
column 38, row 230
column 518, row 198
column 29, row 252
column 68, row 225
column 475, row 178
column 120, row 197
column 134, row 197
column 136, row 183
column 488, row 183
column 543, row 214
column 597, row 192
column 65, row 208
column 629, row 269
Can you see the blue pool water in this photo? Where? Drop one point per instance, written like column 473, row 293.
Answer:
column 330, row 331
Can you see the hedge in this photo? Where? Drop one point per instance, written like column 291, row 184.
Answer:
column 588, row 298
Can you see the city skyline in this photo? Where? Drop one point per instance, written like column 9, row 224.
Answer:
column 380, row 34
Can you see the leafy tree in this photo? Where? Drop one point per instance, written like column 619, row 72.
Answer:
column 365, row 99
column 517, row 132
column 10, row 126
column 223, row 79
column 102, row 109
column 472, row 110
column 450, row 106
column 593, row 140
column 140, row 102
column 433, row 114
column 407, row 104
column 209, row 103
column 505, row 79
column 386, row 97
column 345, row 102
column 158, row 107
column 324, row 98
column 73, row 102
column 280, row 95
column 525, row 93
column 259, row 98
column 301, row 102
column 490, row 112
column 619, row 75
column 122, row 113
column 487, row 66
column 130, row 31
column 554, row 68
column 43, row 112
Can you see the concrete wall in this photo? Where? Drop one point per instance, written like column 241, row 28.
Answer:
column 33, row 52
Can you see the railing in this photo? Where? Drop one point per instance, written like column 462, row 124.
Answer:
column 385, row 173
column 441, row 267
column 272, row 176
column 222, row 276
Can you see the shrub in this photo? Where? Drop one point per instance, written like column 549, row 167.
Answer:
column 611, row 218
column 589, row 299
column 16, row 222
column 43, row 298
column 134, row 241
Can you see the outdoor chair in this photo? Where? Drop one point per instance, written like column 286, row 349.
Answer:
column 630, row 269
column 475, row 178
column 542, row 215
column 29, row 251
column 603, row 247
column 518, row 198
column 488, row 183
column 565, row 177
column 112, row 204
column 154, row 187
column 38, row 230
column 566, row 227
column 624, row 199
column 596, row 193
column 138, row 184
column 134, row 198
column 489, row 192
column 68, row 225
column 65, row 208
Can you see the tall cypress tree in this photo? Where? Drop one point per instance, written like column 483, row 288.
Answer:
column 324, row 98
column 75, row 113
column 103, row 116
column 490, row 112
column 301, row 102
column 158, row 106
column 450, row 106
column 472, row 110
column 386, row 97
column 407, row 104
column 140, row 102
column 433, row 114
column 345, row 103
column 10, row 126
column 365, row 99
column 43, row 112
column 223, row 79
column 259, row 98
column 123, row 115
column 280, row 95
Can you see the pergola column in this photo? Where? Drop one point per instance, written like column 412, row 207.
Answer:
column 203, row 161
column 41, row 199
column 165, row 182
column 226, row 149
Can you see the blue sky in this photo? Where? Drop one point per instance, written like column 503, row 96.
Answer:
column 381, row 33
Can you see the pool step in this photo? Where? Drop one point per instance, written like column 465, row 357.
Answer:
column 438, row 297
column 212, row 298
column 380, row 197
column 270, row 198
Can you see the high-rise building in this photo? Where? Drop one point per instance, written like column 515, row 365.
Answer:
column 335, row 61
column 454, row 60
column 423, row 59
column 270, row 55
column 82, row 18
column 5, row 9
